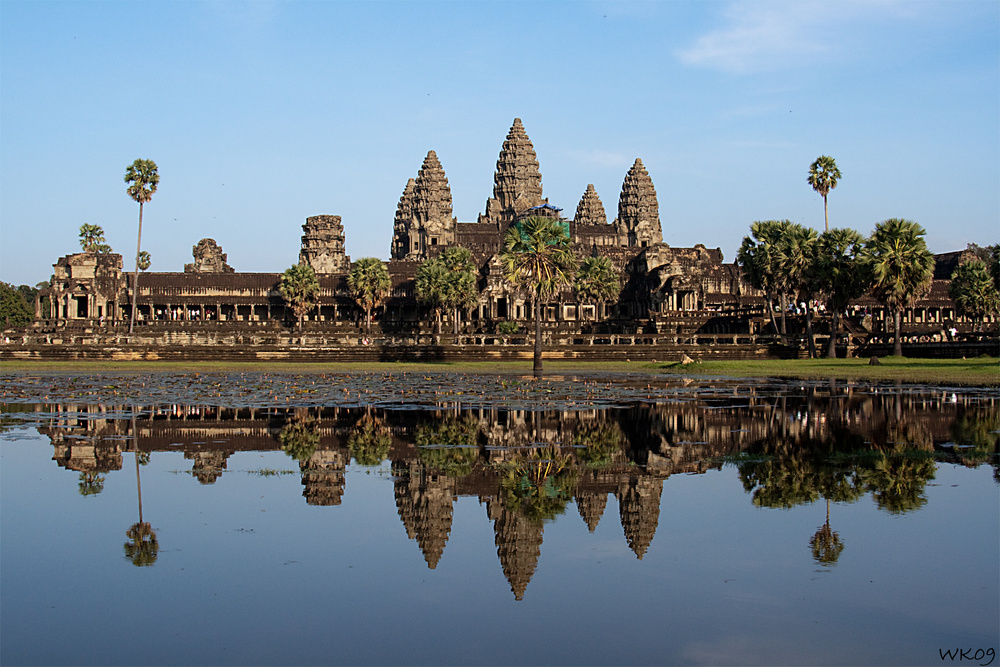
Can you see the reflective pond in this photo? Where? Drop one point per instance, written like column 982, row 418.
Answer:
column 211, row 519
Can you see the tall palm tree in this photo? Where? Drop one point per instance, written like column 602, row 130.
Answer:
column 537, row 256
column 973, row 291
column 597, row 281
column 841, row 275
column 370, row 284
column 798, row 259
column 300, row 288
column 142, row 177
column 462, row 291
column 431, row 287
column 902, row 268
column 823, row 177
column 760, row 258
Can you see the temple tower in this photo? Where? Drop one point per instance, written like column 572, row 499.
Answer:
column 323, row 245
column 403, row 222
column 638, row 222
column 208, row 258
column 517, row 183
column 424, row 220
column 590, row 210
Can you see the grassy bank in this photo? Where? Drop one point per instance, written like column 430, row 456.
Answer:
column 974, row 372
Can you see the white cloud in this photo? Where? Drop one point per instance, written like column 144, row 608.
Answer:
column 768, row 35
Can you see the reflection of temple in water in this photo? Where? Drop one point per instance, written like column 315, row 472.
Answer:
column 442, row 455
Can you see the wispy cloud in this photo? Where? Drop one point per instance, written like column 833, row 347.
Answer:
column 768, row 35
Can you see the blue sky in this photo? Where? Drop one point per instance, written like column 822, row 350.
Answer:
column 260, row 114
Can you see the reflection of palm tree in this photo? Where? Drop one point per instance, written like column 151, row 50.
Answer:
column 370, row 442
column 541, row 485
column 449, row 446
column 300, row 437
column 825, row 544
column 897, row 481
column 91, row 483
column 595, row 445
column 142, row 547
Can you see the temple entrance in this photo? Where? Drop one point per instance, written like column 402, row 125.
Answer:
column 81, row 306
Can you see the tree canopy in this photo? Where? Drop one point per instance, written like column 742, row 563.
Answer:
column 537, row 256
column 823, row 177
column 974, row 291
column 370, row 284
column 300, row 289
column 902, row 267
column 92, row 239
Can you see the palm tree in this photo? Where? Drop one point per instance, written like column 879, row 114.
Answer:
column 597, row 281
column 432, row 286
column 798, row 258
column 973, row 291
column 760, row 258
column 300, row 288
column 369, row 284
column 145, row 260
column 92, row 239
column 537, row 256
column 142, row 178
column 841, row 275
column 823, row 177
column 902, row 268
column 299, row 437
column 462, row 293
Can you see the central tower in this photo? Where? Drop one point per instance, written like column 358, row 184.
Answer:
column 517, row 184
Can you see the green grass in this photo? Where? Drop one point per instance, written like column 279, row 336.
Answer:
column 983, row 371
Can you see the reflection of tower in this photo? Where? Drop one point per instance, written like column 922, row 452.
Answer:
column 519, row 544
column 208, row 466
column 425, row 503
column 591, row 507
column 323, row 476
column 639, row 507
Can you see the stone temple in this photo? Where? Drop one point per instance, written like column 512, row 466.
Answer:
column 681, row 292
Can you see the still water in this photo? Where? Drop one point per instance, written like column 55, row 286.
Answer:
column 454, row 519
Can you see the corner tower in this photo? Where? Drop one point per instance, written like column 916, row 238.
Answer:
column 424, row 218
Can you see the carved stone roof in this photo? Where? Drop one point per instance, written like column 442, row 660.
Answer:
column 517, row 184
column 323, row 245
column 432, row 202
column 403, row 220
column 590, row 210
column 638, row 220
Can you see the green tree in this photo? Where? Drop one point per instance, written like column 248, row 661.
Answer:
column 300, row 289
column 537, row 256
column 973, row 291
column 432, row 286
column 597, row 282
column 92, row 239
column 823, row 177
column 902, row 268
column 841, row 275
column 760, row 257
column 145, row 260
column 370, row 284
column 798, row 267
column 461, row 292
column 14, row 310
column 142, row 178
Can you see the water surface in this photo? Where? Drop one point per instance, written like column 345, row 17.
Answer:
column 446, row 519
